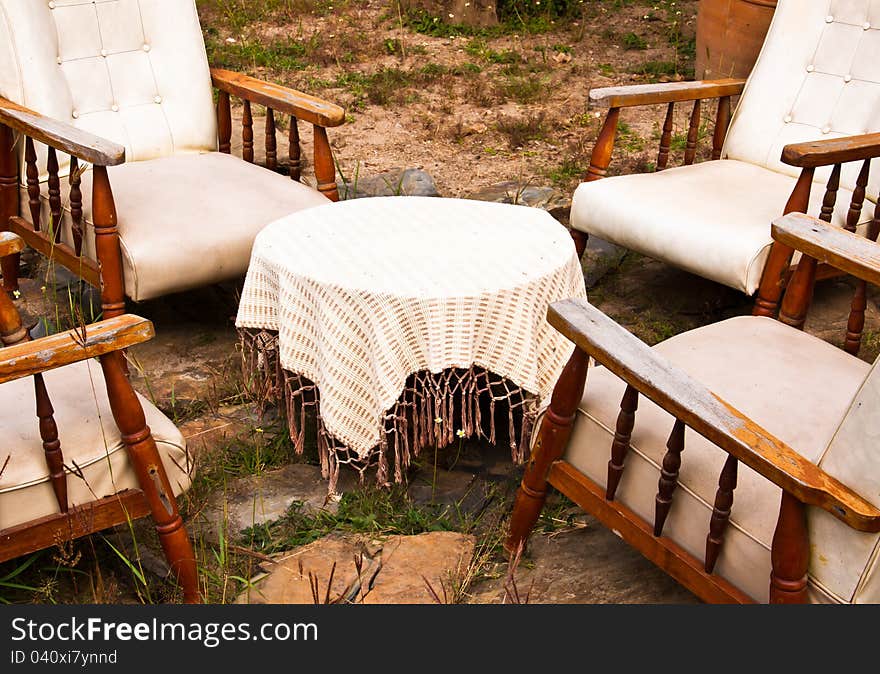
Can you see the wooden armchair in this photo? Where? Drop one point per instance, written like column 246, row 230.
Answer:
column 66, row 469
column 752, row 407
column 124, row 89
column 809, row 112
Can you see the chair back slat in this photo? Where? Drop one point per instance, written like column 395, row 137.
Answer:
column 33, row 182
column 76, row 206
column 690, row 149
column 54, row 185
column 666, row 138
column 294, row 150
column 51, row 443
column 271, row 143
column 668, row 476
column 620, row 445
column 247, row 133
column 721, row 512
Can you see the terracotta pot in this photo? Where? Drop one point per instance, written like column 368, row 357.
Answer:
column 729, row 36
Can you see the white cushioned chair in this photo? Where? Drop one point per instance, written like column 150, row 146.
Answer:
column 80, row 450
column 740, row 457
column 814, row 92
column 126, row 84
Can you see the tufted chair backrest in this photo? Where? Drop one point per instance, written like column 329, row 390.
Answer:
column 817, row 77
column 132, row 71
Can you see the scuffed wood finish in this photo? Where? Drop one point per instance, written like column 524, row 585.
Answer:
column 816, row 153
column 666, row 138
column 325, row 170
column 247, row 133
column 61, row 253
column 669, row 556
column 668, row 92
column 690, row 149
column 620, row 445
column 294, row 150
column 722, row 122
column 720, row 512
column 80, row 520
column 790, row 553
column 271, row 143
column 668, row 476
column 65, row 137
column 32, row 357
column 720, row 423
column 224, row 122
column 775, row 270
column 282, row 99
column 8, row 205
column 601, row 155
column 552, row 437
column 76, row 209
column 843, row 250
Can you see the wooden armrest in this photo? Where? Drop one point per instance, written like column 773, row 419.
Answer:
column 10, row 243
column 283, row 99
column 832, row 151
column 47, row 353
column 669, row 92
column 841, row 249
column 720, row 423
column 60, row 135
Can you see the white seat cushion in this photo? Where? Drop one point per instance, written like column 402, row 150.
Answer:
column 89, row 438
column 712, row 219
column 794, row 385
column 189, row 220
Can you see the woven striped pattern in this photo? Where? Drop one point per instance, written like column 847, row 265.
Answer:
column 365, row 293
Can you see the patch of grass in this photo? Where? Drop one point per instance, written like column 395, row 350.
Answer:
column 520, row 130
column 655, row 70
column 570, row 170
column 629, row 139
column 606, row 69
column 284, row 54
column 631, row 42
column 522, row 88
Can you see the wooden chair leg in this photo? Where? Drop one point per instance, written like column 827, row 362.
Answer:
column 790, row 554
column 580, row 241
column 552, row 439
column 129, row 417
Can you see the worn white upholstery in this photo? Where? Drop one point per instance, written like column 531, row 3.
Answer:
column 794, row 385
column 89, row 439
column 199, row 228
column 135, row 72
column 817, row 77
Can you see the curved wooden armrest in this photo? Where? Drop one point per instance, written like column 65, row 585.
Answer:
column 832, row 151
column 10, row 243
column 283, row 99
column 841, row 249
column 669, row 92
column 720, row 423
column 96, row 339
column 60, row 135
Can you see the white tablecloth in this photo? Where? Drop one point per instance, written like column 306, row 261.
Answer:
column 364, row 293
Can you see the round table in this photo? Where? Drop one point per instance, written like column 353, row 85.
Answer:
column 395, row 316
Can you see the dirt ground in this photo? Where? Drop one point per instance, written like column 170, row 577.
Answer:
column 471, row 109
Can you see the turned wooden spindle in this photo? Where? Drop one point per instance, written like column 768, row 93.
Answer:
column 33, row 182
column 271, row 143
column 107, row 248
column 668, row 476
column 552, row 438
column 601, row 155
column 620, row 446
column 293, row 149
column 224, row 122
column 722, row 122
column 690, row 148
column 720, row 512
column 666, row 138
column 773, row 278
column 147, row 464
column 8, row 203
column 855, row 325
column 325, row 171
column 54, row 188
column 854, row 214
column 13, row 332
column 247, row 133
column 76, row 208
column 790, row 553
column 799, row 293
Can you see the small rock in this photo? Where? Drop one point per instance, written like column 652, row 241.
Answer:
column 599, row 258
column 555, row 202
column 257, row 499
column 396, row 182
